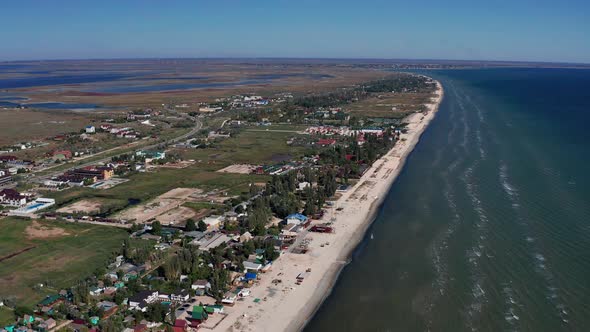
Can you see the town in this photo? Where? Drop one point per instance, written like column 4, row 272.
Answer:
column 191, row 205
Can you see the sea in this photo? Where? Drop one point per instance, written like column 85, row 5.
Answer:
column 487, row 227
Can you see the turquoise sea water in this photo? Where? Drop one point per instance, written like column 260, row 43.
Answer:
column 488, row 226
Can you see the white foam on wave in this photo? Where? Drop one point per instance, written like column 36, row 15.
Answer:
column 512, row 306
column 464, row 124
column 552, row 292
column 478, row 249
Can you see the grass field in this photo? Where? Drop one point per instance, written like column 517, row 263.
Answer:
column 249, row 147
column 145, row 186
column 382, row 106
column 6, row 316
column 53, row 253
column 256, row 146
column 23, row 125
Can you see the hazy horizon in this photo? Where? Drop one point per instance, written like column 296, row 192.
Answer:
column 368, row 59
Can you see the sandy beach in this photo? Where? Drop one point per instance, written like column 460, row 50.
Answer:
column 286, row 306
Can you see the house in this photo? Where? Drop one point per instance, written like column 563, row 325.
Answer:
column 151, row 155
column 162, row 246
column 303, row 185
column 106, row 305
column 12, row 197
column 229, row 298
column 209, row 242
column 250, row 276
column 245, row 237
column 90, row 129
column 252, row 266
column 296, row 218
column 180, row 295
column 326, row 141
column 48, row 324
column 180, row 325
column 199, row 314
column 7, row 158
column 96, row 291
column 213, row 222
column 93, row 173
column 141, row 300
column 140, row 328
column 215, row 309
column 138, row 116
column 36, row 205
column 201, row 287
column 62, row 154
column 244, row 292
column 5, row 178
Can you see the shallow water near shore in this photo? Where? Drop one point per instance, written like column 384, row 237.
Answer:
column 488, row 226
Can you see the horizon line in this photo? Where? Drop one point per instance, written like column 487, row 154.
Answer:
column 422, row 60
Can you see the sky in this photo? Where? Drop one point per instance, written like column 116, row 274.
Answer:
column 507, row 30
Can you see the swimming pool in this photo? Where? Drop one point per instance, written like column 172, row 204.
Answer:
column 34, row 206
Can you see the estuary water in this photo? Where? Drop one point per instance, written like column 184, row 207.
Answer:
column 488, row 226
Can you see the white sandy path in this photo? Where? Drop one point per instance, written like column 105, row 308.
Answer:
column 287, row 306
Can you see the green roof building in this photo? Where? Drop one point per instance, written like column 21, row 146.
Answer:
column 199, row 313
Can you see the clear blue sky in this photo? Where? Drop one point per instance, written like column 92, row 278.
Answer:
column 534, row 30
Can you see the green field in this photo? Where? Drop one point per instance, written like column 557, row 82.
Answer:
column 251, row 146
column 382, row 106
column 6, row 316
column 56, row 254
column 145, row 186
column 248, row 147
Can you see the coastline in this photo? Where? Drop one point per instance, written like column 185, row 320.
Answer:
column 286, row 306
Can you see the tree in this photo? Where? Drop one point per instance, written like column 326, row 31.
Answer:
column 156, row 228
column 190, row 225
column 219, row 282
column 202, row 226
column 156, row 312
column 135, row 228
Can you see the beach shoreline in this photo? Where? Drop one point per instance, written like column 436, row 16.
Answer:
column 286, row 306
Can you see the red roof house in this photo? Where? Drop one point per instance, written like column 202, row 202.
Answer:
column 326, row 141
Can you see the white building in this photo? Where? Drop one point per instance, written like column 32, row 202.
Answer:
column 252, row 266
column 213, row 222
column 29, row 209
column 12, row 197
column 90, row 129
column 201, row 287
column 141, row 300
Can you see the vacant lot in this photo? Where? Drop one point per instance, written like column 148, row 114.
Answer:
column 145, row 186
column 238, row 169
column 56, row 254
column 82, row 206
column 20, row 125
column 177, row 217
column 254, row 146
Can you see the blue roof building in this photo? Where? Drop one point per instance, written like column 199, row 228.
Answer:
column 296, row 218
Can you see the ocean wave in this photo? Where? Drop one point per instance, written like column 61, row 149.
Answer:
column 541, row 264
column 477, row 251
